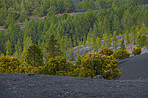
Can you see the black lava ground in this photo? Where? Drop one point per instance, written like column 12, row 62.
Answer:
column 132, row 84
column 134, row 68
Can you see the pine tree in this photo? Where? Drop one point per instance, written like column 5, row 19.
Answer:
column 142, row 37
column 78, row 51
column 141, row 41
column 27, row 42
column 10, row 19
column 53, row 47
column 116, row 23
column 95, row 31
column 72, row 54
column 127, row 37
column 114, row 5
column 2, row 15
column 106, row 25
column 99, row 42
column 69, row 43
column 115, row 41
column 23, row 15
column 94, row 45
column 122, row 47
column 126, row 20
column 44, row 48
column 58, row 37
column 63, row 47
column 2, row 42
column 84, row 41
column 89, row 35
column 8, row 48
column 34, row 56
column 18, row 49
column 24, row 53
column 66, row 40
column 134, row 30
column 109, row 35
column 106, row 40
column 143, row 30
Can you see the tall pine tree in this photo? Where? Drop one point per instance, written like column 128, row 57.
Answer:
column 34, row 56
column 115, row 41
column 53, row 47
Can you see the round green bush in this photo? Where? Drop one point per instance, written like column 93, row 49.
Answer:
column 58, row 66
column 96, row 64
column 121, row 54
column 9, row 64
column 106, row 51
column 136, row 51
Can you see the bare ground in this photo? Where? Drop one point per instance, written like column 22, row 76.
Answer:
column 46, row 86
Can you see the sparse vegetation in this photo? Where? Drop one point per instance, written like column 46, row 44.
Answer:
column 136, row 51
column 106, row 51
column 121, row 54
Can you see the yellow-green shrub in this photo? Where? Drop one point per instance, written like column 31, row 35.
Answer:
column 121, row 54
column 96, row 64
column 12, row 65
column 106, row 51
column 136, row 51
column 58, row 66
column 32, row 69
column 9, row 64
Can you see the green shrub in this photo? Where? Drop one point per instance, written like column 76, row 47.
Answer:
column 96, row 64
column 121, row 54
column 61, row 73
column 136, row 51
column 13, row 65
column 32, row 69
column 79, row 58
column 9, row 64
column 58, row 66
column 106, row 51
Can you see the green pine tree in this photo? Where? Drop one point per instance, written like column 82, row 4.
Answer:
column 115, row 41
column 126, row 20
column 63, row 47
column 99, row 42
column 71, row 55
column 8, row 48
column 53, row 47
column 18, row 49
column 34, row 56
column 27, row 42
column 134, row 30
column 122, row 47
column 23, row 55
column 127, row 37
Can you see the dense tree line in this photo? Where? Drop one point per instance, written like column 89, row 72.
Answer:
column 89, row 28
column 21, row 10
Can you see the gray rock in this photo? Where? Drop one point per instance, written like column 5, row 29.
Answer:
column 98, row 77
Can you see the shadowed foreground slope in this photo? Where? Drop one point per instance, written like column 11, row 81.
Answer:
column 46, row 86
column 134, row 68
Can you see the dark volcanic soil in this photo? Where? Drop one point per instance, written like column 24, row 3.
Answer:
column 46, row 86
column 132, row 84
column 134, row 68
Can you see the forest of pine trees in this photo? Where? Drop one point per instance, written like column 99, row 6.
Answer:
column 97, row 23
